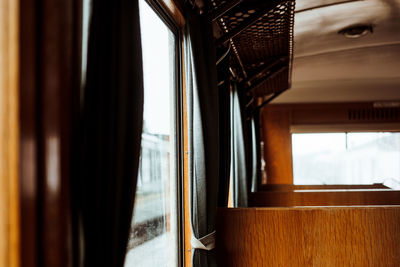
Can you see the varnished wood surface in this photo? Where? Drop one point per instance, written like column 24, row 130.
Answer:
column 9, row 133
column 334, row 113
column 319, row 197
column 335, row 117
column 174, row 12
column 277, row 145
column 289, row 187
column 186, row 202
column 320, row 237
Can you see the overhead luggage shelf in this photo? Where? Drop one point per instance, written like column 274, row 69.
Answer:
column 261, row 36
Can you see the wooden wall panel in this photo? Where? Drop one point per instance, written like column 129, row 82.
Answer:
column 335, row 236
column 330, row 197
column 9, row 133
column 333, row 117
column 277, row 145
column 278, row 121
column 291, row 187
column 343, row 113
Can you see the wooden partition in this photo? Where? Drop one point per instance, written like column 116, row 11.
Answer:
column 322, row 197
column 329, row 236
column 291, row 187
column 277, row 145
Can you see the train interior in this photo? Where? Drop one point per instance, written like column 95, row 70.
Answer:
column 199, row 133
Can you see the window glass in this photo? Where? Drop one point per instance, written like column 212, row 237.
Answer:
column 346, row 158
column 153, row 237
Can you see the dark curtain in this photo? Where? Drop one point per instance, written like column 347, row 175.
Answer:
column 203, row 134
column 255, row 150
column 110, row 134
column 240, row 160
column 224, row 126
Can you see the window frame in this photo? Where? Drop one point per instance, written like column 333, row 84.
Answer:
column 320, row 129
column 169, row 14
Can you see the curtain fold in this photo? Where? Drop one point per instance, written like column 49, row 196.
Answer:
column 255, row 151
column 110, row 134
column 203, row 134
column 224, row 95
column 240, row 161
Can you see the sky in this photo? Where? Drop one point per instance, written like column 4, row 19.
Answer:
column 157, row 71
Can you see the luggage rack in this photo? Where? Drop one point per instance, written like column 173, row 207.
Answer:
column 260, row 34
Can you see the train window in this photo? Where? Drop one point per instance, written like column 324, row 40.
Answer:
column 154, row 235
column 346, row 158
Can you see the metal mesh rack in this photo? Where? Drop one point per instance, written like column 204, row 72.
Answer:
column 261, row 35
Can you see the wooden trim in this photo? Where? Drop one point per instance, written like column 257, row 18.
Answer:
column 327, row 197
column 174, row 12
column 364, row 113
column 186, row 202
column 291, row 187
column 9, row 134
column 340, row 128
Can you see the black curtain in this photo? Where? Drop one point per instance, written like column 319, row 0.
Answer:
column 224, row 125
column 241, row 159
column 255, row 149
column 109, row 142
column 203, row 135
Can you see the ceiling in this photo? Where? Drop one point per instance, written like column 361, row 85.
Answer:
column 329, row 67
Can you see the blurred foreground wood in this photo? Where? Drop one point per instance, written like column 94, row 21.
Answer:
column 9, row 127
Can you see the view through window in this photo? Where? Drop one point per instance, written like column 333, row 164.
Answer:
column 346, row 158
column 153, row 237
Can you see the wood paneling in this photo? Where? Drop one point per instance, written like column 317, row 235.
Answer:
column 334, row 117
column 335, row 236
column 280, row 120
column 277, row 145
column 291, row 187
column 9, row 133
column 320, row 197
column 343, row 113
